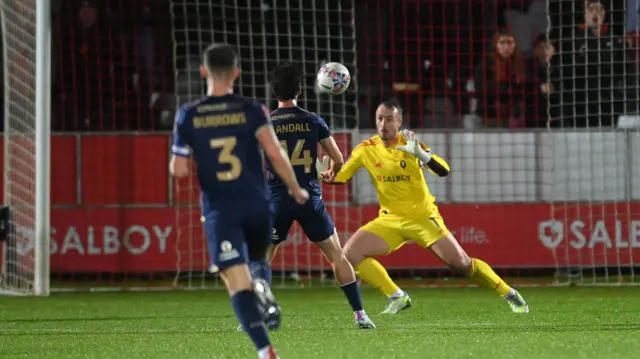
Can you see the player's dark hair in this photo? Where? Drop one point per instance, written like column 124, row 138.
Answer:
column 589, row 2
column 220, row 59
column 393, row 104
column 286, row 80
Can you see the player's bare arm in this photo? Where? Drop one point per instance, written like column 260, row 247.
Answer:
column 280, row 161
column 179, row 166
column 330, row 146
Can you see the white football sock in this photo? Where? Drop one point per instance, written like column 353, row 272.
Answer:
column 263, row 351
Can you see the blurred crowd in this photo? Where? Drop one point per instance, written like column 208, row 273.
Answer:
column 588, row 79
column 510, row 64
column 118, row 65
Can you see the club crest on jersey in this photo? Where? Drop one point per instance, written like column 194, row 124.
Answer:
column 227, row 252
column 403, row 164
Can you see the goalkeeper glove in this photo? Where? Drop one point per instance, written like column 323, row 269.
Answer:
column 413, row 147
column 322, row 166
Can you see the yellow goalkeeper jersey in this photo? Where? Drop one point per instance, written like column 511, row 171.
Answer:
column 396, row 175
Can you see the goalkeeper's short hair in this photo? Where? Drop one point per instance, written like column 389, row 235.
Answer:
column 286, row 81
column 393, row 104
column 220, row 59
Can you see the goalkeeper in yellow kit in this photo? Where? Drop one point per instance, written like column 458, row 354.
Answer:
column 394, row 161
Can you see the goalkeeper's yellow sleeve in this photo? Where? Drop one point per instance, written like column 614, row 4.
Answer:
column 354, row 163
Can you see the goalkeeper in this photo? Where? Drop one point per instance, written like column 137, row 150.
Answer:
column 407, row 211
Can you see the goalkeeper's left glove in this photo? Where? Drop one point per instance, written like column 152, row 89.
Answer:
column 322, row 166
column 413, row 147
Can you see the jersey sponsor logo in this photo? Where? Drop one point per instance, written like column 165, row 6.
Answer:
column 212, row 108
column 227, row 252
column 283, row 116
column 396, row 178
column 379, row 165
column 403, row 164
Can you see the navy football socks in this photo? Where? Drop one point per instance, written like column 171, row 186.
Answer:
column 352, row 292
column 260, row 269
column 245, row 304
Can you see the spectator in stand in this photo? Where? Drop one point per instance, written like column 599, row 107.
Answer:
column 632, row 80
column 539, row 88
column 81, row 60
column 592, row 61
column 499, row 84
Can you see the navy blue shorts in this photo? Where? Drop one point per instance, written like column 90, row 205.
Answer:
column 312, row 217
column 237, row 231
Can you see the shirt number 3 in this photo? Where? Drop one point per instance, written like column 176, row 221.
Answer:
column 226, row 146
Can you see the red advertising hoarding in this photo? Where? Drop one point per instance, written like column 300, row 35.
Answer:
column 95, row 228
column 505, row 235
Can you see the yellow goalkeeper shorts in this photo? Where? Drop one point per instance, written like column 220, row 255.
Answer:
column 397, row 230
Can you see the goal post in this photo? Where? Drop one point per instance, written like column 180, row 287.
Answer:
column 26, row 29
column 42, row 147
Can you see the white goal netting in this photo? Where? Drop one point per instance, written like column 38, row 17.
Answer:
column 567, row 194
column 19, row 62
column 590, row 155
column 306, row 33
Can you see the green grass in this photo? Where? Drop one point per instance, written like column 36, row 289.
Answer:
column 443, row 323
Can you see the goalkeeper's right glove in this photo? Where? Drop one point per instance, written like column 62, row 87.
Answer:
column 322, row 166
column 413, row 147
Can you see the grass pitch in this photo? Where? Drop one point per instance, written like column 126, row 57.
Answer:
column 443, row 323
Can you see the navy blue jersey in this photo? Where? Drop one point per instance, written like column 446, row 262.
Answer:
column 220, row 133
column 299, row 132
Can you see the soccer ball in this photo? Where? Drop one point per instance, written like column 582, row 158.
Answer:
column 333, row 78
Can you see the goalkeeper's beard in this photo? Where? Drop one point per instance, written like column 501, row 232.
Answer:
column 387, row 136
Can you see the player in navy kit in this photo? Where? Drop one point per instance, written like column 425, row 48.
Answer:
column 299, row 132
column 226, row 134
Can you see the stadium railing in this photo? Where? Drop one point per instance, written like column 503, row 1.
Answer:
column 554, row 203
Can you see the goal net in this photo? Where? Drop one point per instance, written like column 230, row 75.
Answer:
column 25, row 261
column 590, row 159
column 265, row 34
column 543, row 183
